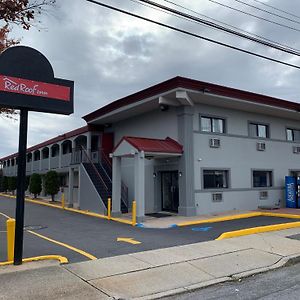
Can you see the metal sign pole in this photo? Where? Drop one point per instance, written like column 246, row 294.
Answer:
column 21, row 182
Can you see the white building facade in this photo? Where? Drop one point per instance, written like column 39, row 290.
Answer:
column 185, row 146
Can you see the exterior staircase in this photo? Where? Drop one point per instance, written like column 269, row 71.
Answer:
column 101, row 176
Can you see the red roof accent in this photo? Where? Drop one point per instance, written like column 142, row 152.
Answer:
column 187, row 83
column 167, row 145
column 57, row 139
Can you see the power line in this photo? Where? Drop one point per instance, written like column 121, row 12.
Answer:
column 266, row 11
column 255, row 16
column 278, row 9
column 192, row 34
column 214, row 25
column 180, row 17
column 226, row 24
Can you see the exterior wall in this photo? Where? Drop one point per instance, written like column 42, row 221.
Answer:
column 89, row 197
column 155, row 124
column 239, row 155
column 76, row 196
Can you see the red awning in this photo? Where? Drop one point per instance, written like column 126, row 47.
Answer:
column 167, row 145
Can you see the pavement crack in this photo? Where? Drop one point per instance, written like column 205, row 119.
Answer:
column 86, row 281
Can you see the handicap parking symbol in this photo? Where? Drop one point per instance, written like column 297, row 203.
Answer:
column 203, row 229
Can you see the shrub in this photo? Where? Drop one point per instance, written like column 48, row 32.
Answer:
column 27, row 183
column 35, row 184
column 4, row 184
column 52, row 184
column 12, row 184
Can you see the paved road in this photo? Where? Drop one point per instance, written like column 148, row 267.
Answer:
column 99, row 237
column 282, row 284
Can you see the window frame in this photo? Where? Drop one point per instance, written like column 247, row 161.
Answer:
column 293, row 135
column 211, row 117
column 257, row 124
column 228, row 178
column 271, row 178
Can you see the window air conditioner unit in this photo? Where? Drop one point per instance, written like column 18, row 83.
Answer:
column 214, row 143
column 217, row 197
column 296, row 149
column 261, row 146
column 263, row 194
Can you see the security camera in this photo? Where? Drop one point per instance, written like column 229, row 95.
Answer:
column 163, row 107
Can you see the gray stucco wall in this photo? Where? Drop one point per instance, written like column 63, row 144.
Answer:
column 238, row 154
column 89, row 198
column 155, row 124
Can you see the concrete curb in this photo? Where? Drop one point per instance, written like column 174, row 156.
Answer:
column 259, row 229
column 283, row 262
column 62, row 260
column 186, row 289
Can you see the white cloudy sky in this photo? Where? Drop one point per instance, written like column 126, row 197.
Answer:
column 110, row 55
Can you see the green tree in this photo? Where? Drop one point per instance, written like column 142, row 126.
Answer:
column 5, row 184
column 52, row 184
column 1, row 182
column 12, row 184
column 27, row 182
column 35, row 184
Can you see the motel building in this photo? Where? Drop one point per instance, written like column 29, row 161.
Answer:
column 183, row 146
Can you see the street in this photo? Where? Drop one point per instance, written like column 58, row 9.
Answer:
column 282, row 284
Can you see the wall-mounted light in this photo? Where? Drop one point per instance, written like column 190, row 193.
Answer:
column 154, row 175
column 199, row 159
column 180, row 174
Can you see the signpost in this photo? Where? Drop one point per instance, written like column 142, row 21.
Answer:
column 27, row 83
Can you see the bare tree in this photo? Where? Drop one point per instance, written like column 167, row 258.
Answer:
column 18, row 13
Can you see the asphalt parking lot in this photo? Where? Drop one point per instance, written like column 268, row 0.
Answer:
column 98, row 237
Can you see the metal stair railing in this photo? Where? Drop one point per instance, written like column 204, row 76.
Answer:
column 124, row 188
column 95, row 169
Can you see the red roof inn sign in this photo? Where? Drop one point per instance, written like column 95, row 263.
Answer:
column 27, row 83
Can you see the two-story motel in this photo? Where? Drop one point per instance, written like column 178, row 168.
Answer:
column 182, row 145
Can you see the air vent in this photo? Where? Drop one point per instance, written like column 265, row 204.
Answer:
column 263, row 195
column 296, row 149
column 217, row 197
column 214, row 143
column 261, row 146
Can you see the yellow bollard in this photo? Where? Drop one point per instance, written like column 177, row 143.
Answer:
column 63, row 200
column 10, row 226
column 109, row 208
column 133, row 213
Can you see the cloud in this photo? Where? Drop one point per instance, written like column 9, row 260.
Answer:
column 110, row 55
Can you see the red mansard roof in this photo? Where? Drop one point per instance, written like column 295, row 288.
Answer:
column 191, row 84
column 167, row 145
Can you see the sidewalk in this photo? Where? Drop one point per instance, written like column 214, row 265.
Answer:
column 157, row 273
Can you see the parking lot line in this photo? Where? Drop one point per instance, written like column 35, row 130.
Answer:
column 86, row 254
column 4, row 215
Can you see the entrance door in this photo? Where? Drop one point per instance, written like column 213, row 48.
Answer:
column 170, row 191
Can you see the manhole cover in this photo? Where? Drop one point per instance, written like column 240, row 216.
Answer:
column 295, row 237
column 34, row 227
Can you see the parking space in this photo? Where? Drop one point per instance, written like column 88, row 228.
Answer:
column 80, row 237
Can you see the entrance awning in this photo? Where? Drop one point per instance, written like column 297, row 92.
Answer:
column 129, row 146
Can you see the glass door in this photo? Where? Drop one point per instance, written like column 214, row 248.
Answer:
column 170, row 191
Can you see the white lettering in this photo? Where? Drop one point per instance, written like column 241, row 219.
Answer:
column 10, row 85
